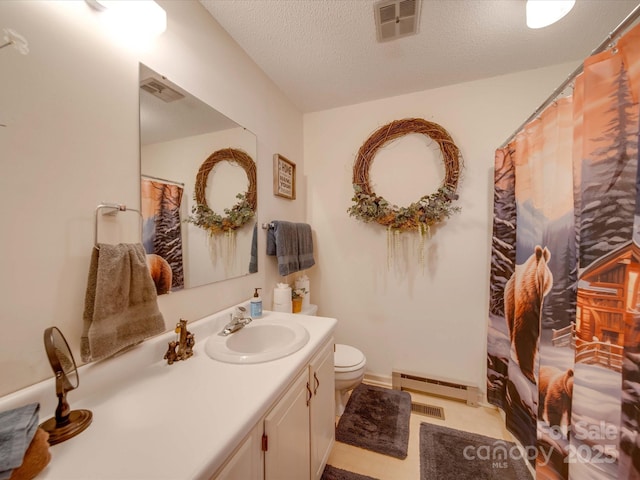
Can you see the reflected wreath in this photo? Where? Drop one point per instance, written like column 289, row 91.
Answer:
column 236, row 216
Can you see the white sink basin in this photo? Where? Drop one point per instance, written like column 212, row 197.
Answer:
column 260, row 341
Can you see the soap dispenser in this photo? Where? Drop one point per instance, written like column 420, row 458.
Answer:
column 256, row 304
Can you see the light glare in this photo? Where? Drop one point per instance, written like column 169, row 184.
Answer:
column 541, row 13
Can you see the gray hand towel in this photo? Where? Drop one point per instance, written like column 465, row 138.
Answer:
column 121, row 307
column 17, row 428
column 305, row 246
column 284, row 244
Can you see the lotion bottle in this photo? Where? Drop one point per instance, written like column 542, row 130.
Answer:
column 256, row 304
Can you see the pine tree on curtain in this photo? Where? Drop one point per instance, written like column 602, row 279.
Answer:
column 564, row 320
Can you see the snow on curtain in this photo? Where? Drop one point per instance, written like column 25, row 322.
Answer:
column 162, row 233
column 563, row 351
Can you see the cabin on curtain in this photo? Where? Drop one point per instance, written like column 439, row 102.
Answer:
column 606, row 307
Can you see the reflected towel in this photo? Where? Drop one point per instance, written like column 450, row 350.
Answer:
column 305, row 246
column 17, row 428
column 253, row 262
column 121, row 303
column 282, row 241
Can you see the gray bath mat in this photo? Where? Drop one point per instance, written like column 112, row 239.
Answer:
column 333, row 473
column 448, row 454
column 377, row 419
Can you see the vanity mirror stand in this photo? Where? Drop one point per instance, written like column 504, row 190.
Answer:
column 67, row 423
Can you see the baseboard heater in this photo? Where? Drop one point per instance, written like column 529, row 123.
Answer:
column 430, row 386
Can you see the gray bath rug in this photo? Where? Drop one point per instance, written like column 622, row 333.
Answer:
column 377, row 419
column 333, row 473
column 448, row 454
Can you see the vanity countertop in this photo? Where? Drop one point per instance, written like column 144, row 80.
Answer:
column 155, row 421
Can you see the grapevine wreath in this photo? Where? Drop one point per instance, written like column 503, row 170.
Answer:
column 430, row 209
column 236, row 216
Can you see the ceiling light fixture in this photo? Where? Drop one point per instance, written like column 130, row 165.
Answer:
column 541, row 13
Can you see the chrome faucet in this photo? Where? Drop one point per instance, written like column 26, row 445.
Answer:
column 238, row 321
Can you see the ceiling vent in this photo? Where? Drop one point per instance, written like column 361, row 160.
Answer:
column 161, row 90
column 396, row 18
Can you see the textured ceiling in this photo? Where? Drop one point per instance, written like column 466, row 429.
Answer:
column 324, row 53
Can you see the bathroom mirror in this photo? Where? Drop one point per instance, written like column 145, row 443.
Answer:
column 67, row 423
column 178, row 133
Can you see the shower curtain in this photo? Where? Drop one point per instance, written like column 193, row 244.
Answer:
column 161, row 229
column 563, row 350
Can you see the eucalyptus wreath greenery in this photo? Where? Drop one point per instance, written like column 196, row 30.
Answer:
column 427, row 211
column 235, row 217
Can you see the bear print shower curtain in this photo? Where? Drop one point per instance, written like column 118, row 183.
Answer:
column 162, row 233
column 563, row 350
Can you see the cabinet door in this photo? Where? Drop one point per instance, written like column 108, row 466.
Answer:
column 323, row 416
column 287, row 430
column 246, row 463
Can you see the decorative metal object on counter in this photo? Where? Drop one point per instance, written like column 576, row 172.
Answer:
column 184, row 345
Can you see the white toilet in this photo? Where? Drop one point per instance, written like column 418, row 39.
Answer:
column 349, row 363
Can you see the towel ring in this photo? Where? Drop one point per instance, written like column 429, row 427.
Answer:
column 113, row 208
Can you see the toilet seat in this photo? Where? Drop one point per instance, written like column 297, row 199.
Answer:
column 348, row 358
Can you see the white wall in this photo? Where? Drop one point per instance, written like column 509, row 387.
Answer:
column 430, row 322
column 71, row 142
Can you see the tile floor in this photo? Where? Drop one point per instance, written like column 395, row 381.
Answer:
column 483, row 420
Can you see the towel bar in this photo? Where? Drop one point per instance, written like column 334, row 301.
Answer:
column 266, row 226
column 113, row 209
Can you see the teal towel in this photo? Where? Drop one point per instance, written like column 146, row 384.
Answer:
column 17, row 428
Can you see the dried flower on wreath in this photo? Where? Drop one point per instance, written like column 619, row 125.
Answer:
column 430, row 209
column 235, row 217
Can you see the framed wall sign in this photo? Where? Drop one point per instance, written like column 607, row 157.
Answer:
column 284, row 177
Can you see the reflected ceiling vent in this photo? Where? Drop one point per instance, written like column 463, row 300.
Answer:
column 396, row 18
column 161, row 90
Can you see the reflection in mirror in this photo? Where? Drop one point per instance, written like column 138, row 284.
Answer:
column 178, row 133
column 67, row 423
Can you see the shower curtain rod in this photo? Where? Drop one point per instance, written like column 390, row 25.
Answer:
column 626, row 23
column 172, row 182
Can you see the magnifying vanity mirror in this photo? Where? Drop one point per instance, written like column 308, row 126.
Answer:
column 67, row 423
column 179, row 136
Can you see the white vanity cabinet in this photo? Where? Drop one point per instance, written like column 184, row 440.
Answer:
column 222, row 420
column 287, row 434
column 300, row 429
column 323, row 409
column 295, row 438
column 247, row 461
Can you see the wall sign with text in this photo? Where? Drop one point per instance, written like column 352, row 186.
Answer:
column 284, row 177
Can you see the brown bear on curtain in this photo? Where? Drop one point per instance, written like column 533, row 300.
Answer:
column 556, row 394
column 523, row 295
column 161, row 273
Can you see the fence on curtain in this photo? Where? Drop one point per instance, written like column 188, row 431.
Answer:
column 564, row 317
